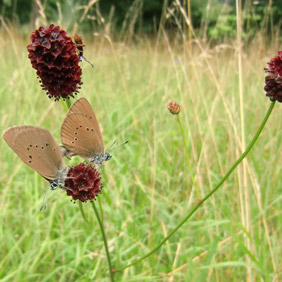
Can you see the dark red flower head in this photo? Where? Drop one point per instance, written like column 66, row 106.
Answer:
column 52, row 53
column 83, row 182
column 273, row 81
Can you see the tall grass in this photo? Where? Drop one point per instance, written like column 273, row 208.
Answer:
column 147, row 184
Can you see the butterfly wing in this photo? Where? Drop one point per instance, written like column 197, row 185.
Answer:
column 82, row 106
column 37, row 148
column 10, row 133
column 81, row 137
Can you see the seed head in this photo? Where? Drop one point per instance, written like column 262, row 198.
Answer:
column 83, row 182
column 52, row 53
column 174, row 108
column 273, row 81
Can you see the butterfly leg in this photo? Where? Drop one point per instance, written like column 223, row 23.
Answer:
column 66, row 153
column 44, row 201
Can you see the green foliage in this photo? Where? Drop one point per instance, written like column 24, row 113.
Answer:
column 147, row 184
column 19, row 10
column 218, row 17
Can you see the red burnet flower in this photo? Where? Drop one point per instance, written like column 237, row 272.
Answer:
column 83, row 182
column 173, row 108
column 53, row 54
column 273, row 81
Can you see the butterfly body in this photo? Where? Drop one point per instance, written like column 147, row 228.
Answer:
column 99, row 159
column 60, row 179
column 81, row 135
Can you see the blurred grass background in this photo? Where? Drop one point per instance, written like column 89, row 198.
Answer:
column 235, row 236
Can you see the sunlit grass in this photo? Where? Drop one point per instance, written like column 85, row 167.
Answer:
column 147, row 184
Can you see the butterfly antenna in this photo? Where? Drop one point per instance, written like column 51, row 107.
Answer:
column 44, row 201
column 118, row 146
column 112, row 145
column 87, row 61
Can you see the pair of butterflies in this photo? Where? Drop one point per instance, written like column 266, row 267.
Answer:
column 80, row 135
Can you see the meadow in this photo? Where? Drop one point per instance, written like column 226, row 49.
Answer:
column 148, row 188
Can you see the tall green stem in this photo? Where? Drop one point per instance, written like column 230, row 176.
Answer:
column 67, row 105
column 105, row 242
column 210, row 193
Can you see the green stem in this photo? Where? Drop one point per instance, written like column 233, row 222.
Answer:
column 68, row 102
column 210, row 193
column 101, row 209
column 82, row 211
column 105, row 241
column 64, row 105
column 187, row 155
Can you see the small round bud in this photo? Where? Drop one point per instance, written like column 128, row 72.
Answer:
column 174, row 108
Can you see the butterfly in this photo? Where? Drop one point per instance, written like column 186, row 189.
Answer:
column 81, row 135
column 38, row 149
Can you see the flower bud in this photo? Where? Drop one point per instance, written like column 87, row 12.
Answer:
column 174, row 108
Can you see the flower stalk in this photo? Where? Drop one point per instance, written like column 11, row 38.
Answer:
column 68, row 102
column 189, row 215
column 82, row 211
column 67, row 105
column 105, row 242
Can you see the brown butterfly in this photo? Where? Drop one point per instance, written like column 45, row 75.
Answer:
column 81, row 135
column 37, row 148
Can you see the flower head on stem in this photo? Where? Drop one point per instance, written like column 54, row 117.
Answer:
column 53, row 54
column 173, row 108
column 273, row 81
column 83, row 182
